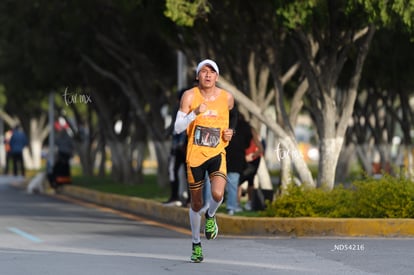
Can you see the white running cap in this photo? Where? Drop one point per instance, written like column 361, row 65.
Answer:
column 208, row 62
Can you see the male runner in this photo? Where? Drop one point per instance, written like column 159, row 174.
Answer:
column 207, row 113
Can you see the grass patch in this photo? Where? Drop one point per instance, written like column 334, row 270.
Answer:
column 148, row 189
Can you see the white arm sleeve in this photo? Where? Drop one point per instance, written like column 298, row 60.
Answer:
column 182, row 121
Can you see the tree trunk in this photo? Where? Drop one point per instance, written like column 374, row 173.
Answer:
column 36, row 154
column 102, row 164
column 330, row 149
column 409, row 162
column 85, row 158
column 140, row 148
column 162, row 153
column 344, row 163
column 286, row 141
column 298, row 162
column 38, row 133
column 263, row 176
column 121, row 162
column 285, row 174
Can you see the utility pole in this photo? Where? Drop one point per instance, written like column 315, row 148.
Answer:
column 2, row 151
column 181, row 71
column 181, row 84
column 51, row 151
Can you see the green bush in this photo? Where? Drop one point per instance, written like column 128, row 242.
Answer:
column 387, row 197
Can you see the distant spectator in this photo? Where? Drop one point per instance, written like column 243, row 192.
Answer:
column 7, row 149
column 236, row 162
column 253, row 157
column 176, row 162
column 60, row 173
column 64, row 143
column 18, row 141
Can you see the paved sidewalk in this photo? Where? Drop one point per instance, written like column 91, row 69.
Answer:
column 15, row 180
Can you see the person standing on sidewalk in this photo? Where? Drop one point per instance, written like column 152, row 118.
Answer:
column 207, row 113
column 18, row 141
column 253, row 156
column 176, row 160
column 7, row 149
column 236, row 163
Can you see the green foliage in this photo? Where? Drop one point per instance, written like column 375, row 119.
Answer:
column 296, row 13
column 301, row 202
column 406, row 10
column 388, row 197
column 184, row 12
column 389, row 12
column 382, row 13
column 299, row 13
column 3, row 96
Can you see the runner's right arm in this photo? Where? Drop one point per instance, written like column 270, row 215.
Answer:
column 184, row 116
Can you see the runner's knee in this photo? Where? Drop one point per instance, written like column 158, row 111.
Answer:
column 217, row 195
column 196, row 205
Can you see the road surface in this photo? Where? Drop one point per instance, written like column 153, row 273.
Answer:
column 44, row 234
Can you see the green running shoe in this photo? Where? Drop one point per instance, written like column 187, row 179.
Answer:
column 211, row 228
column 197, row 255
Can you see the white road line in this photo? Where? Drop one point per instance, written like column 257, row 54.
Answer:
column 98, row 252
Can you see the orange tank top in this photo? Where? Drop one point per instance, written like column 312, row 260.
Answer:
column 205, row 133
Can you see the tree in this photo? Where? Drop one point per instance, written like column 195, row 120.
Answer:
column 325, row 35
column 382, row 110
column 20, row 59
column 89, row 46
column 139, row 67
column 248, row 58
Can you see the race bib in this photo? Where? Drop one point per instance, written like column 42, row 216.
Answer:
column 204, row 136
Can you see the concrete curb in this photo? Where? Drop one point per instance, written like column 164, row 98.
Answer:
column 252, row 226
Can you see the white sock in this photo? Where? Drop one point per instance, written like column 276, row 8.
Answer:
column 214, row 205
column 195, row 221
